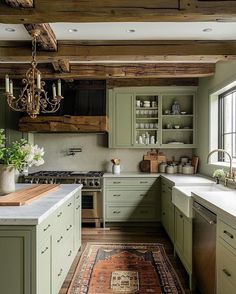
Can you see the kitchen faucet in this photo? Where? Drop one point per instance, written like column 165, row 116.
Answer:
column 230, row 175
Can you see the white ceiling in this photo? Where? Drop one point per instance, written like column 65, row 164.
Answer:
column 119, row 31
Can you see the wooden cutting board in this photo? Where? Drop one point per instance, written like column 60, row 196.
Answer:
column 27, row 195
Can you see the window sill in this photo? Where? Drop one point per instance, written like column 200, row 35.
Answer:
column 223, row 164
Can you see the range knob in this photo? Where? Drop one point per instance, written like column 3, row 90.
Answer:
column 78, row 181
column 45, row 181
column 36, row 180
column 84, row 183
column 91, row 183
column 97, row 183
column 51, row 181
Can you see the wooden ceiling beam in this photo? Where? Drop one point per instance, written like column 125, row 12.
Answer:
column 114, row 71
column 120, row 11
column 125, row 52
column 61, row 65
column 46, row 40
column 20, row 3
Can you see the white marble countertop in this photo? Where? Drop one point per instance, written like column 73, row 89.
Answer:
column 177, row 179
column 131, row 175
column 221, row 203
column 38, row 210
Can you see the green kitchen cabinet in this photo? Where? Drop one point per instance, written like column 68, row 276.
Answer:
column 183, row 240
column 122, row 123
column 15, row 260
column 141, row 117
column 36, row 259
column 167, row 208
column 135, row 199
column 226, row 256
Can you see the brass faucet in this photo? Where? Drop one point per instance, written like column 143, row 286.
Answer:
column 230, row 175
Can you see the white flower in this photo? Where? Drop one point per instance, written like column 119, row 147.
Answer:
column 39, row 162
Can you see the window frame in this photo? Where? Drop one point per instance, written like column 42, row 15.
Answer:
column 221, row 124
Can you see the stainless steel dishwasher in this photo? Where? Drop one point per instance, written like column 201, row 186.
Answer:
column 204, row 249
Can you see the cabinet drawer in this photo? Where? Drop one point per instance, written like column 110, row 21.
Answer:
column 126, row 213
column 226, row 269
column 133, row 197
column 44, row 267
column 64, row 213
column 45, row 229
column 62, row 264
column 227, row 233
column 131, row 182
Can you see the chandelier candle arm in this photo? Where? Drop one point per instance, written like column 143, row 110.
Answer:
column 11, row 87
column 33, row 99
column 59, row 87
column 7, row 84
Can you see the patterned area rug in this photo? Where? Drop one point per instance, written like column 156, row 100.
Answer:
column 113, row 268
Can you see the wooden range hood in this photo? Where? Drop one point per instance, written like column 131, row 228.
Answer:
column 60, row 124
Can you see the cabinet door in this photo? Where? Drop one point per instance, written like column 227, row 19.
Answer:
column 171, row 221
column 122, row 131
column 187, row 243
column 15, row 262
column 44, row 267
column 179, row 230
column 77, row 221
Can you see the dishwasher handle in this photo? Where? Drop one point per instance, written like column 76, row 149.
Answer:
column 200, row 211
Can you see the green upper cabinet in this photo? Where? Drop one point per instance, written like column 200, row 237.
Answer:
column 122, row 119
column 143, row 117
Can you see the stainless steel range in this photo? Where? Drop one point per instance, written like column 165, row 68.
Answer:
column 92, row 201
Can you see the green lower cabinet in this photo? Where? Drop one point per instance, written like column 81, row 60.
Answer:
column 167, row 209
column 44, row 269
column 132, row 199
column 36, row 259
column 15, row 260
column 183, row 241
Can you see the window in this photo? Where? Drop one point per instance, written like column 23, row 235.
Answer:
column 227, row 123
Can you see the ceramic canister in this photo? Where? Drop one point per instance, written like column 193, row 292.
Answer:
column 162, row 167
column 188, row 170
column 170, row 169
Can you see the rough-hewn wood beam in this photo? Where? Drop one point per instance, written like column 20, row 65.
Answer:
column 110, row 71
column 20, row 3
column 131, row 52
column 61, row 65
column 47, row 39
column 112, row 83
column 121, row 11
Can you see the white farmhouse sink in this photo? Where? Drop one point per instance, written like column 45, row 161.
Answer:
column 181, row 195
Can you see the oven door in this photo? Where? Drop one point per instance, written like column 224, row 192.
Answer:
column 91, row 206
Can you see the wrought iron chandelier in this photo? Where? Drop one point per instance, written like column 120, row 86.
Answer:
column 33, row 98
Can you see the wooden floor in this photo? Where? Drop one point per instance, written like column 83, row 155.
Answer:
column 130, row 234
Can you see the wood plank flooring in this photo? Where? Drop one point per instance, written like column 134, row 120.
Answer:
column 130, row 234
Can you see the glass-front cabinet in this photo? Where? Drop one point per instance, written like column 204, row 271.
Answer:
column 152, row 117
column 147, row 120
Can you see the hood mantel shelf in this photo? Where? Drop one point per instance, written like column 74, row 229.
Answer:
column 66, row 124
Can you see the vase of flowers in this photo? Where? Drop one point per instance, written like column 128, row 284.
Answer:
column 19, row 156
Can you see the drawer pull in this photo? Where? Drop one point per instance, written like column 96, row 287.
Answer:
column 77, row 197
column 116, row 195
column 59, row 214
column 68, row 205
column 43, row 251
column 163, row 213
column 143, row 211
column 116, row 182
column 228, row 234
column 143, row 182
column 70, row 226
column 181, row 216
column 59, row 240
column 142, row 195
column 69, row 254
column 60, row 273
column 169, row 188
column 116, row 211
column 47, row 227
column 163, row 191
column 77, row 207
column 228, row 274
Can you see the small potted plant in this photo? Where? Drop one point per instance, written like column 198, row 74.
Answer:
column 219, row 174
column 19, row 156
